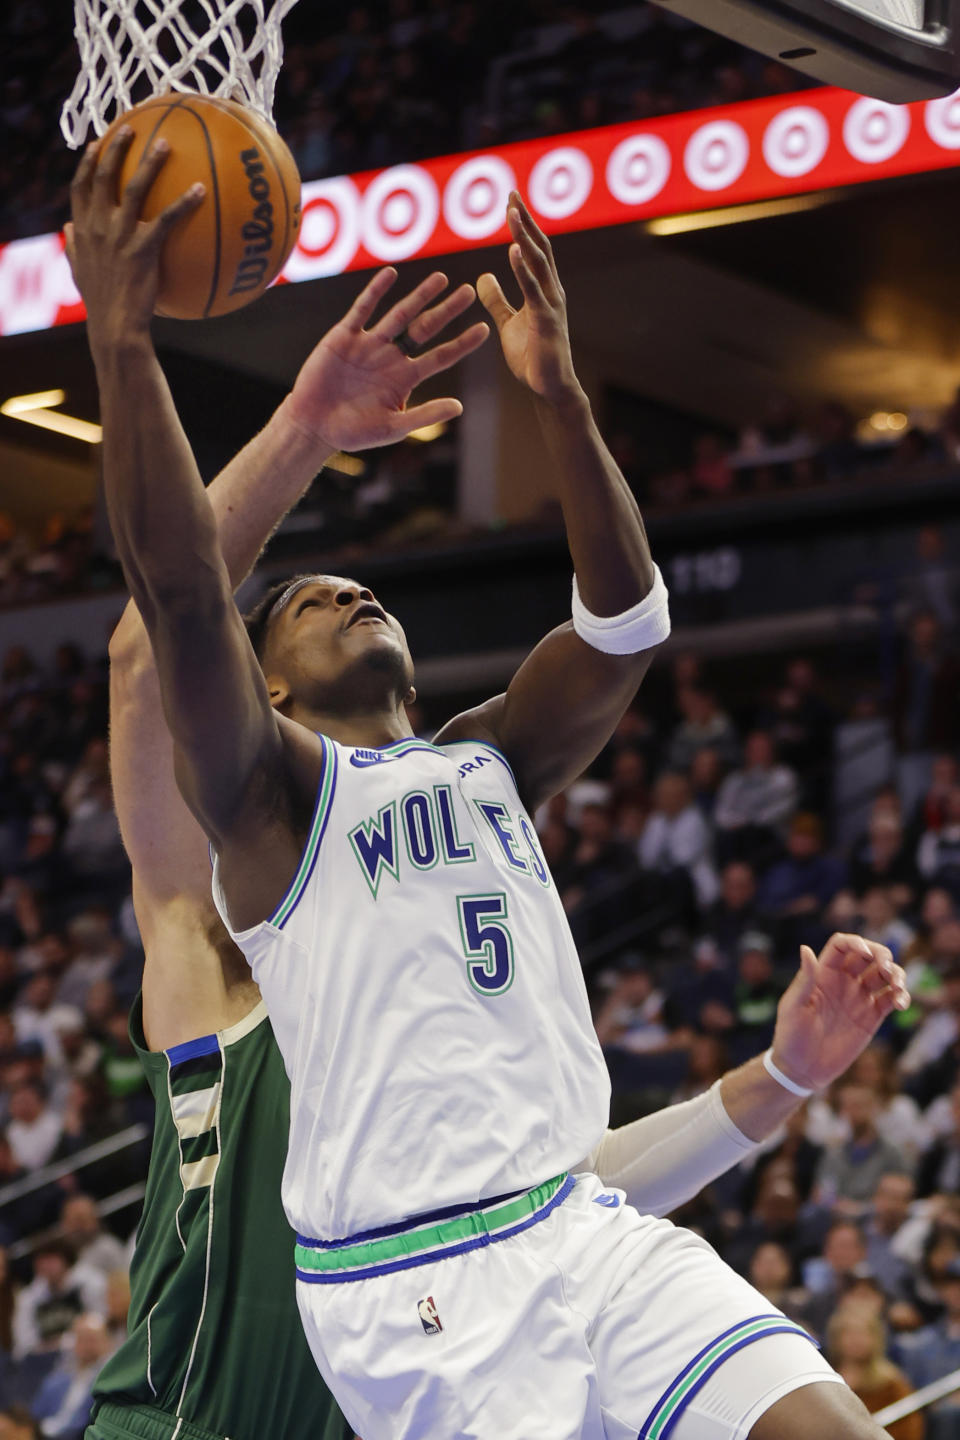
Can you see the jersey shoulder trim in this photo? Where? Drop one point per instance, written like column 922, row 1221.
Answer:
column 321, row 814
column 494, row 750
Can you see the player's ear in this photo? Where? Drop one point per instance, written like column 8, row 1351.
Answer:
column 278, row 691
column 410, row 696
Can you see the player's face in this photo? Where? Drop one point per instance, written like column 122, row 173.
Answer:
column 330, row 637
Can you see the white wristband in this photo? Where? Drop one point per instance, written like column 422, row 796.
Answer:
column 639, row 628
column 800, row 1091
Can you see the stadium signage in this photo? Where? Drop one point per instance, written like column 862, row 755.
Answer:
column 735, row 154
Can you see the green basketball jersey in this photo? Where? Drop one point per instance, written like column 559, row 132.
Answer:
column 214, row 1333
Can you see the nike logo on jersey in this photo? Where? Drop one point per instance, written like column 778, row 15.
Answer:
column 609, row 1201
column 362, row 759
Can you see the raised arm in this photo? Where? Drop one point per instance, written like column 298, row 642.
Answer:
column 829, row 1014
column 213, row 694
column 567, row 697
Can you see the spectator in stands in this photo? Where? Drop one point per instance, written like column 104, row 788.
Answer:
column 883, row 857
column 38, row 1015
column 881, row 922
column 755, row 802
column 884, row 1226
column 795, row 1158
column 850, row 1170
column 711, row 472
column 95, row 952
column 856, row 1347
column 939, row 1169
column 773, row 1219
column 62, row 1404
column 756, row 995
column 935, row 1351
column 7, row 1301
column 704, row 725
column 945, row 775
column 16, row 1423
column 827, row 1275
column 938, row 854
column 898, row 1117
column 34, row 1129
column 771, row 1271
column 59, row 1292
column 706, row 775
column 632, row 1015
column 938, row 1034
column 802, row 885
column 599, row 860
column 925, row 706
column 93, row 1246
column 732, row 913
column 676, row 839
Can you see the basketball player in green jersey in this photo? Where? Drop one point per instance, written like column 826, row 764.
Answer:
column 216, row 1346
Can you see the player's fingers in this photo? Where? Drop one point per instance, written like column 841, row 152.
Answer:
column 849, row 953
column 176, row 211
column 425, row 326
column 399, row 316
column 136, row 190
column 534, row 229
column 108, row 166
column 441, row 357
column 83, row 176
column 491, row 297
column 532, row 291
column 533, row 255
column 369, row 298
column 431, row 412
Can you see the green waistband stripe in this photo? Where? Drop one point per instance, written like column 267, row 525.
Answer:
column 436, row 1236
column 324, row 798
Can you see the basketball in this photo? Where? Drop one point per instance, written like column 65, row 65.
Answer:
column 236, row 242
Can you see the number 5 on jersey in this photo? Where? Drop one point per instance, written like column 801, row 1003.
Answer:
column 487, row 943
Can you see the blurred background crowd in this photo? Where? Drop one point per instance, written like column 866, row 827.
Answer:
column 754, row 799
column 694, row 858
column 367, row 85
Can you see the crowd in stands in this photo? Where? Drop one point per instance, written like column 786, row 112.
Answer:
column 786, row 450
column 371, row 84
column 695, row 857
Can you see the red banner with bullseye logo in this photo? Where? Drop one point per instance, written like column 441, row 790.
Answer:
column 756, row 150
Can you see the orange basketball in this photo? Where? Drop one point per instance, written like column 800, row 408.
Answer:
column 228, row 251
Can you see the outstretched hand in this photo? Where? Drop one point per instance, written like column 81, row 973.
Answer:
column 834, row 1006
column 352, row 391
column 535, row 339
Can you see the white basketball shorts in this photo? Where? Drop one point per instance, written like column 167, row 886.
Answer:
column 560, row 1314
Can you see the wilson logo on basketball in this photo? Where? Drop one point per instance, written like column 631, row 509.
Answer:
column 257, row 232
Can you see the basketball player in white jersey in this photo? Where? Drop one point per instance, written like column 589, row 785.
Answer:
column 398, row 916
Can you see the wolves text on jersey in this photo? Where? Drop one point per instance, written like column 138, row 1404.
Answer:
column 421, row 830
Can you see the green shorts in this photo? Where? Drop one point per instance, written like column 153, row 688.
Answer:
column 141, row 1422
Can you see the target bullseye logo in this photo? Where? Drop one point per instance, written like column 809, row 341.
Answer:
column 329, row 232
column 874, row 131
column 795, row 141
column 638, row 169
column 475, row 197
column 560, row 182
column 942, row 121
column 400, row 211
column 716, row 155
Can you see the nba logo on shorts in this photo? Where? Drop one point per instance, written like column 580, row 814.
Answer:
column 429, row 1318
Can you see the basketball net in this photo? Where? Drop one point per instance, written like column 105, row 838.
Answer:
column 131, row 50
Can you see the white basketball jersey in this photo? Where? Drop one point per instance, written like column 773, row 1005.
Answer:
column 425, row 993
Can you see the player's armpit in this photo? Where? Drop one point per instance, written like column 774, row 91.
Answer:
column 558, row 712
